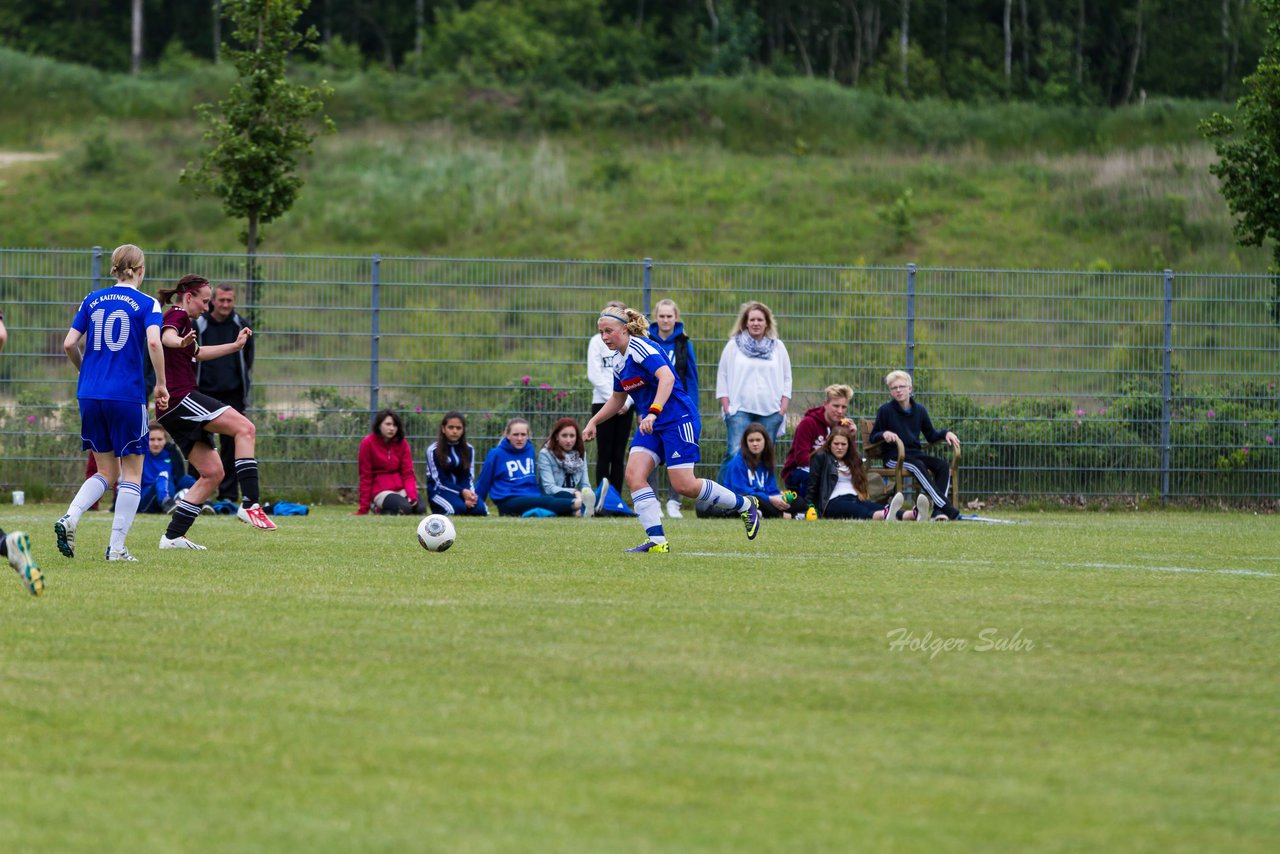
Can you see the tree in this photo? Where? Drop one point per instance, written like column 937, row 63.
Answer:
column 260, row 130
column 1248, row 149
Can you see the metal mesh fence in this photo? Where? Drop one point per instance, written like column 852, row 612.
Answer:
column 1059, row 383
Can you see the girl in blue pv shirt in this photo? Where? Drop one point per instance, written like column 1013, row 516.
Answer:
column 510, row 477
column 750, row 472
column 668, row 432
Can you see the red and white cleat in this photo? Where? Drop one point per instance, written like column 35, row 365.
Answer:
column 255, row 517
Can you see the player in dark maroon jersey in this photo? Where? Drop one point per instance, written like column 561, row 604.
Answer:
column 191, row 417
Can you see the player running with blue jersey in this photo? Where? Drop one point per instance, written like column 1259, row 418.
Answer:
column 668, row 432
column 120, row 327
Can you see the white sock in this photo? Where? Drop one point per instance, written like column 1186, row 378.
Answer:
column 646, row 504
column 128, row 496
column 719, row 496
column 91, row 491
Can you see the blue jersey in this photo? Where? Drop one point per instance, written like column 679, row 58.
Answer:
column 636, row 374
column 114, row 323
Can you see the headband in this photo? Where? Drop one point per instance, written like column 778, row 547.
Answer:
column 621, row 320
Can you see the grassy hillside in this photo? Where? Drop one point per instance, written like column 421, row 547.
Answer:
column 745, row 170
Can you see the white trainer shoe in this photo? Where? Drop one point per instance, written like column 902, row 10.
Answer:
column 256, row 517
column 895, row 504
column 180, row 543
column 123, row 554
column 924, row 508
column 588, row 504
column 673, row 509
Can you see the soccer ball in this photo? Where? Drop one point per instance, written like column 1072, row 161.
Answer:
column 436, row 533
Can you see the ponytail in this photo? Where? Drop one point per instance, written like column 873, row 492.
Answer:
column 187, row 284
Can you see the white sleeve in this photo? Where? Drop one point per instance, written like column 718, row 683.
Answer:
column 722, row 371
column 784, row 368
column 599, row 374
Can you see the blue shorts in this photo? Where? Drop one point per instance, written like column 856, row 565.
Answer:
column 673, row 445
column 113, row 426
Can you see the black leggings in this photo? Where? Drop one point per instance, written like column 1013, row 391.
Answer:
column 397, row 505
column 612, row 437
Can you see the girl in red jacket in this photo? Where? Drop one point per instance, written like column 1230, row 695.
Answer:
column 387, row 481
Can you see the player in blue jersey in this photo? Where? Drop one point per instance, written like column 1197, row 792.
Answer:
column 120, row 328
column 668, row 431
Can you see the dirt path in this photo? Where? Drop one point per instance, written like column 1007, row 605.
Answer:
column 9, row 158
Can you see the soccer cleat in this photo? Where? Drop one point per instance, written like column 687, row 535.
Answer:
column 180, row 543
column 123, row 554
column 18, row 545
column 65, row 530
column 651, row 548
column 673, row 509
column 895, row 505
column 751, row 517
column 255, row 517
column 588, row 504
column 923, row 506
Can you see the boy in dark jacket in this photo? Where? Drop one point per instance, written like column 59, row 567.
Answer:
column 903, row 418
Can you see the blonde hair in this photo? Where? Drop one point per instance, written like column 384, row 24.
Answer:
column 898, row 375
column 834, row 391
column 126, row 261
column 636, row 324
column 669, row 302
column 747, row 308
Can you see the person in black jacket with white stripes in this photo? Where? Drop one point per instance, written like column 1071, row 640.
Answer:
column 227, row 379
column 904, row 418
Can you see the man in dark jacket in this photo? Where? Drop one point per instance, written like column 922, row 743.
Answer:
column 227, row 379
column 810, row 433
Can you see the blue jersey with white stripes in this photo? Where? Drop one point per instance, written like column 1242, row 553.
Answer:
column 114, row 323
column 636, row 374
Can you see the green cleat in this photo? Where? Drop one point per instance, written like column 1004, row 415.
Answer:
column 651, row 548
column 751, row 517
column 18, row 545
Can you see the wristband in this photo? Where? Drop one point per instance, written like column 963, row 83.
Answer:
column 655, row 410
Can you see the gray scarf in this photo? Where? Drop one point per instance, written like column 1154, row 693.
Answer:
column 572, row 463
column 754, row 349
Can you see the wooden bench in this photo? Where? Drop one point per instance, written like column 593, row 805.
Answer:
column 871, row 453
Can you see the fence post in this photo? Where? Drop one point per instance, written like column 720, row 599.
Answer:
column 648, row 285
column 1166, row 387
column 911, row 319
column 97, row 267
column 375, row 332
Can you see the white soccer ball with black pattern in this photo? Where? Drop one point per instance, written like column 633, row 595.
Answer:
column 436, row 533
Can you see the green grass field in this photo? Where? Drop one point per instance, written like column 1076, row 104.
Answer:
column 330, row 686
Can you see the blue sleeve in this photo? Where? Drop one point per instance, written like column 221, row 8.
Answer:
column 656, row 360
column 485, row 483
column 80, row 322
column 691, row 384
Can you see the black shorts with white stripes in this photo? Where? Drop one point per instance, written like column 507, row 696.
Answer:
column 186, row 420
